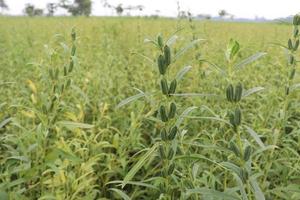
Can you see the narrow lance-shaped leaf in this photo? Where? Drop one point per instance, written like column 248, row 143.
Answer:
column 182, row 72
column 184, row 49
column 249, row 60
column 121, row 193
column 255, row 136
column 138, row 165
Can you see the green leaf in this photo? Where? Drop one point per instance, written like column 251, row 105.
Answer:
column 184, row 49
column 5, row 122
column 3, row 195
column 212, row 193
column 256, row 189
column 138, row 165
column 184, row 114
column 142, row 184
column 241, row 187
column 72, row 125
column 295, row 87
column 121, row 193
column 130, row 99
column 182, row 72
column 215, row 67
column 233, row 48
column 255, row 137
column 249, row 60
column 252, row 91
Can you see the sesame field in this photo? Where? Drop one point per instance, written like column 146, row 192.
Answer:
column 149, row 108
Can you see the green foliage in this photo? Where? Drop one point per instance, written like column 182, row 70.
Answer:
column 90, row 113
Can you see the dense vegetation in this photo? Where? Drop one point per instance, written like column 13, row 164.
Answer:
column 124, row 108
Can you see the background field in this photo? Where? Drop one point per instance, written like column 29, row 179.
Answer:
column 43, row 156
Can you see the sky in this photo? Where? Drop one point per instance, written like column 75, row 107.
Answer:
column 269, row 9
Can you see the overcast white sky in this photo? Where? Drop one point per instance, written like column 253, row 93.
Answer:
column 269, row 9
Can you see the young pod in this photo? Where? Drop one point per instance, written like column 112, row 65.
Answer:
column 163, row 134
column 171, row 169
column 71, row 65
column 234, row 149
column 160, row 41
column 73, row 35
column 247, row 153
column 296, row 45
column 291, row 59
column 293, row 72
column 161, row 152
column 296, row 20
column 296, row 32
column 51, row 74
column 161, row 64
column 163, row 114
column 231, row 119
column 237, row 117
column 173, row 86
column 73, row 51
column 238, row 92
column 290, row 44
column 68, row 83
column 170, row 154
column 173, row 133
column 65, row 71
column 229, row 93
column 243, row 175
column 167, row 54
column 287, row 90
column 164, row 86
column 172, row 110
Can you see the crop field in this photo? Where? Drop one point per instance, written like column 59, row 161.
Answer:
column 145, row 108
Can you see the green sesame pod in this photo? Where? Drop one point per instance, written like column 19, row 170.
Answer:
column 243, row 175
column 167, row 54
column 62, row 87
column 234, row 149
column 71, row 65
column 170, row 154
column 65, row 71
column 293, row 72
column 162, row 152
column 173, row 86
column 291, row 59
column 51, row 74
column 173, row 133
column 296, row 32
column 172, row 110
column 163, row 134
column 296, row 45
column 164, row 86
column 73, row 35
column 247, row 153
column 171, row 169
column 73, row 50
column 230, row 93
column 161, row 64
column 163, row 114
column 160, row 41
column 231, row 119
column 56, row 73
column 237, row 117
column 238, row 92
column 68, row 83
column 296, row 20
column 287, row 90
column 290, row 44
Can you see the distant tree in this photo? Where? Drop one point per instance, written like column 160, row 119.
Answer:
column 3, row 5
column 119, row 9
column 78, row 7
column 31, row 11
column 51, row 7
column 223, row 13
